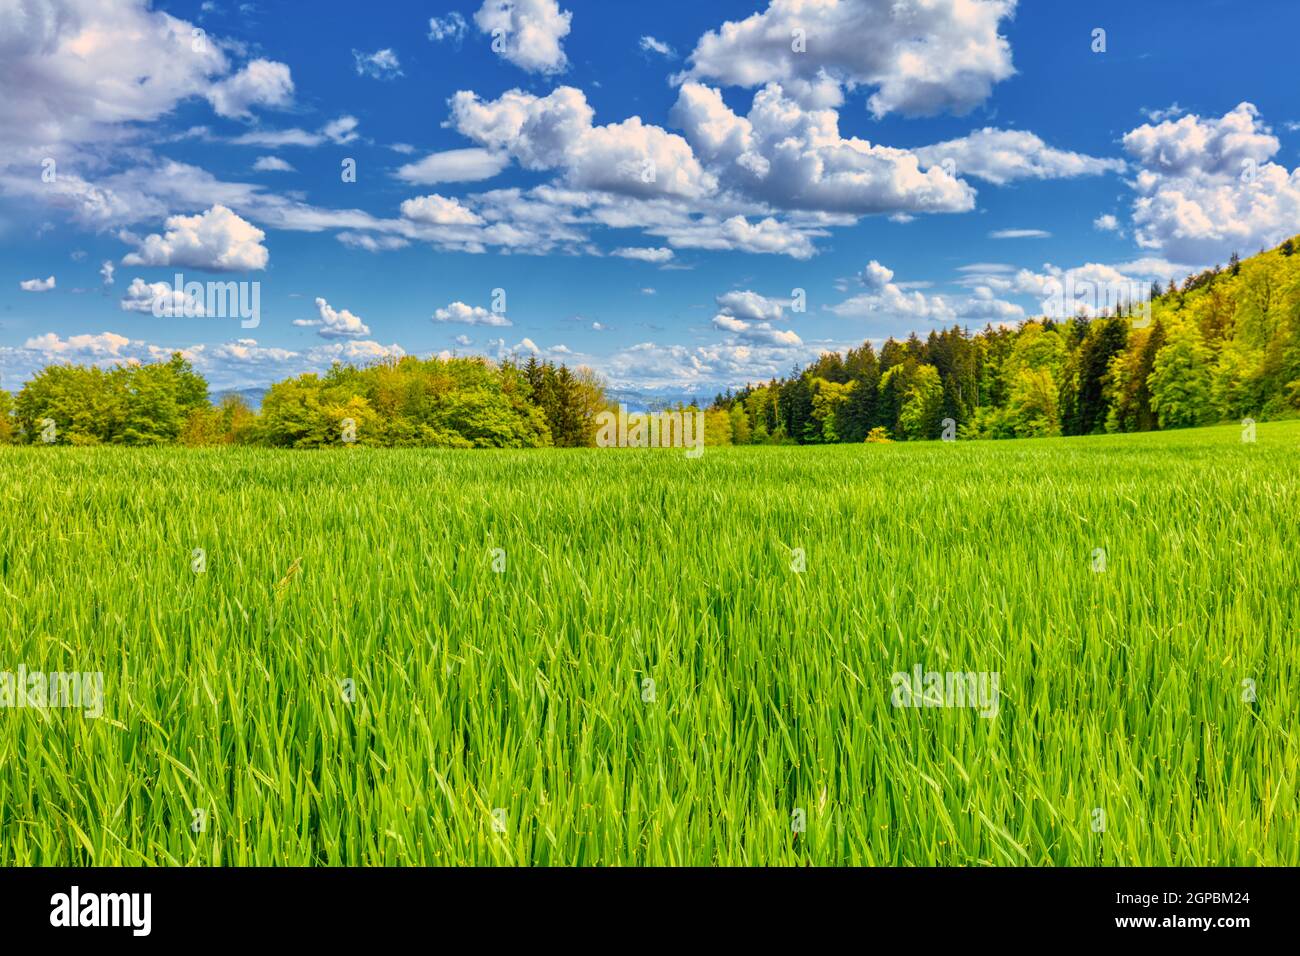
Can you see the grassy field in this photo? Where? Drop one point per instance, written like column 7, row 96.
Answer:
column 1146, row 711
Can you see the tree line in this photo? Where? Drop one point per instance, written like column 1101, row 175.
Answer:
column 1225, row 345
column 442, row 403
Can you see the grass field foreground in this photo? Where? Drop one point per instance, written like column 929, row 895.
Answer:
column 629, row 657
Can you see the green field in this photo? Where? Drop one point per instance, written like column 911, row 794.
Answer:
column 770, row 738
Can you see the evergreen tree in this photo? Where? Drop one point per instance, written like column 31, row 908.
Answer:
column 861, row 410
column 1104, row 340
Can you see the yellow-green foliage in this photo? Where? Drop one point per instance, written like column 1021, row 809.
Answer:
column 1231, row 342
column 1222, row 347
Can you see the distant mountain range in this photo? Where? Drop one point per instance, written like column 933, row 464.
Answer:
column 642, row 401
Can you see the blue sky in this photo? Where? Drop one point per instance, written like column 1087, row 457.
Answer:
column 646, row 184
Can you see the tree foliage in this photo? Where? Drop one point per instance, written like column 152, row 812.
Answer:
column 452, row 403
column 1223, row 346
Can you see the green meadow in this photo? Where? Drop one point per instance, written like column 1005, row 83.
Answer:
column 622, row 657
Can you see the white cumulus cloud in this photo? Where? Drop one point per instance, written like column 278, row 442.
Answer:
column 528, row 33
column 218, row 240
column 750, row 306
column 260, row 83
column 1209, row 187
column 334, row 323
column 272, row 164
column 92, row 346
column 142, row 296
column 796, row 158
column 556, row 132
column 919, row 58
column 463, row 314
column 435, row 210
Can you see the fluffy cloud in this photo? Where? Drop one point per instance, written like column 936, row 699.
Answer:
column 1224, row 146
column 884, row 298
column 902, row 308
column 71, row 70
column 454, row 166
column 217, row 240
column 141, row 296
column 241, row 363
column 528, row 33
column 539, row 132
column 1090, row 289
column 464, row 314
column 355, row 352
column 644, row 254
column 920, row 58
column 147, row 192
column 738, row 233
column 232, row 362
column 556, row 132
column 760, row 332
column 247, row 352
column 982, row 304
column 437, row 210
column 748, row 316
column 100, row 346
column 1001, row 156
column 750, row 306
column 340, row 131
column 37, row 285
column 260, row 83
column 334, row 323
column 707, row 368
column 272, row 164
column 1207, row 187
column 875, row 277
column 527, row 346
column 795, row 158
column 498, row 349
column 106, row 271
column 452, row 27
column 380, row 65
